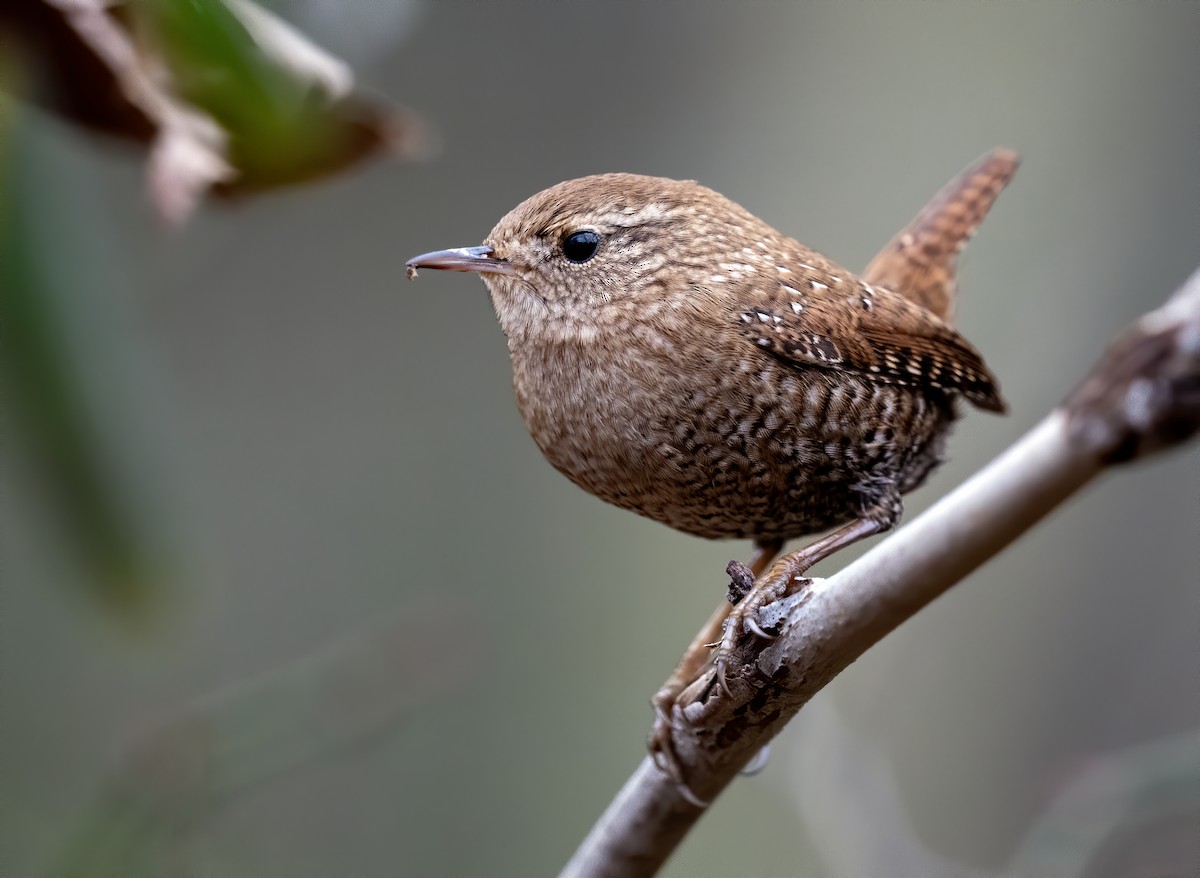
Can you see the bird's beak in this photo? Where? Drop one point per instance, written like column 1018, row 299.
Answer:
column 481, row 259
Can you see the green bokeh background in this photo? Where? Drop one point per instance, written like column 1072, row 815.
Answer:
column 303, row 443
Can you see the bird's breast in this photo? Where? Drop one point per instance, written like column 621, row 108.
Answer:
column 736, row 445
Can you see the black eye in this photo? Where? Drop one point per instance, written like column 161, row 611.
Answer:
column 581, row 246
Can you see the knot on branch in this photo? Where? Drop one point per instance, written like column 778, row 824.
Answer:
column 1144, row 394
column 741, row 581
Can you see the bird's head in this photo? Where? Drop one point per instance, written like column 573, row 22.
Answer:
column 613, row 244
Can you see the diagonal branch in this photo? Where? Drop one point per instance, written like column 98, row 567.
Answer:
column 1142, row 397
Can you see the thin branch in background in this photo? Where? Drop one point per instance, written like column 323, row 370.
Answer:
column 240, row 738
column 1150, row 784
column 1141, row 398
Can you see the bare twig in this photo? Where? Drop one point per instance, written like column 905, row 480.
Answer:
column 1143, row 396
column 1110, row 796
column 238, row 738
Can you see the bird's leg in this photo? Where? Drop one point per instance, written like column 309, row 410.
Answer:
column 786, row 577
column 694, row 660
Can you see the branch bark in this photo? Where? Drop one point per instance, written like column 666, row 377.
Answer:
column 1142, row 397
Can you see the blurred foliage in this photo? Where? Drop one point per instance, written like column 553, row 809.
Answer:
column 285, row 124
column 288, row 114
column 50, row 407
column 227, row 96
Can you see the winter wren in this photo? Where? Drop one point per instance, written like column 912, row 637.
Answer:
column 675, row 355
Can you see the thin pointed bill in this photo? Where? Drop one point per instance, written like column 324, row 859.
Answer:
column 481, row 259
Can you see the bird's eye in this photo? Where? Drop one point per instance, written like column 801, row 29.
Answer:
column 581, row 246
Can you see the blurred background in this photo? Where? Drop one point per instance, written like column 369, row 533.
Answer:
column 289, row 591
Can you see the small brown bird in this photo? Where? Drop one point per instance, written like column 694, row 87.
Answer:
column 675, row 355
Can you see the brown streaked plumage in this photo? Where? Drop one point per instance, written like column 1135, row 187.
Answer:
column 920, row 261
column 705, row 370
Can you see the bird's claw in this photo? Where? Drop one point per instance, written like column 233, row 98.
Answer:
column 758, row 762
column 757, row 630
column 662, row 749
column 749, row 597
column 743, row 620
column 719, row 666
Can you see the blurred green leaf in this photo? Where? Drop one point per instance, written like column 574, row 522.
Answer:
column 288, row 107
column 275, row 120
column 229, row 97
column 43, row 383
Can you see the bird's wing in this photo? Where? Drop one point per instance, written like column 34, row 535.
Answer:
column 837, row 321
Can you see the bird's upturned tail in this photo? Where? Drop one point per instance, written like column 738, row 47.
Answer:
column 920, row 262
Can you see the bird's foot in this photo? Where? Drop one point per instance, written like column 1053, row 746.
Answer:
column 668, row 711
column 662, row 748
column 692, row 680
column 783, row 579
